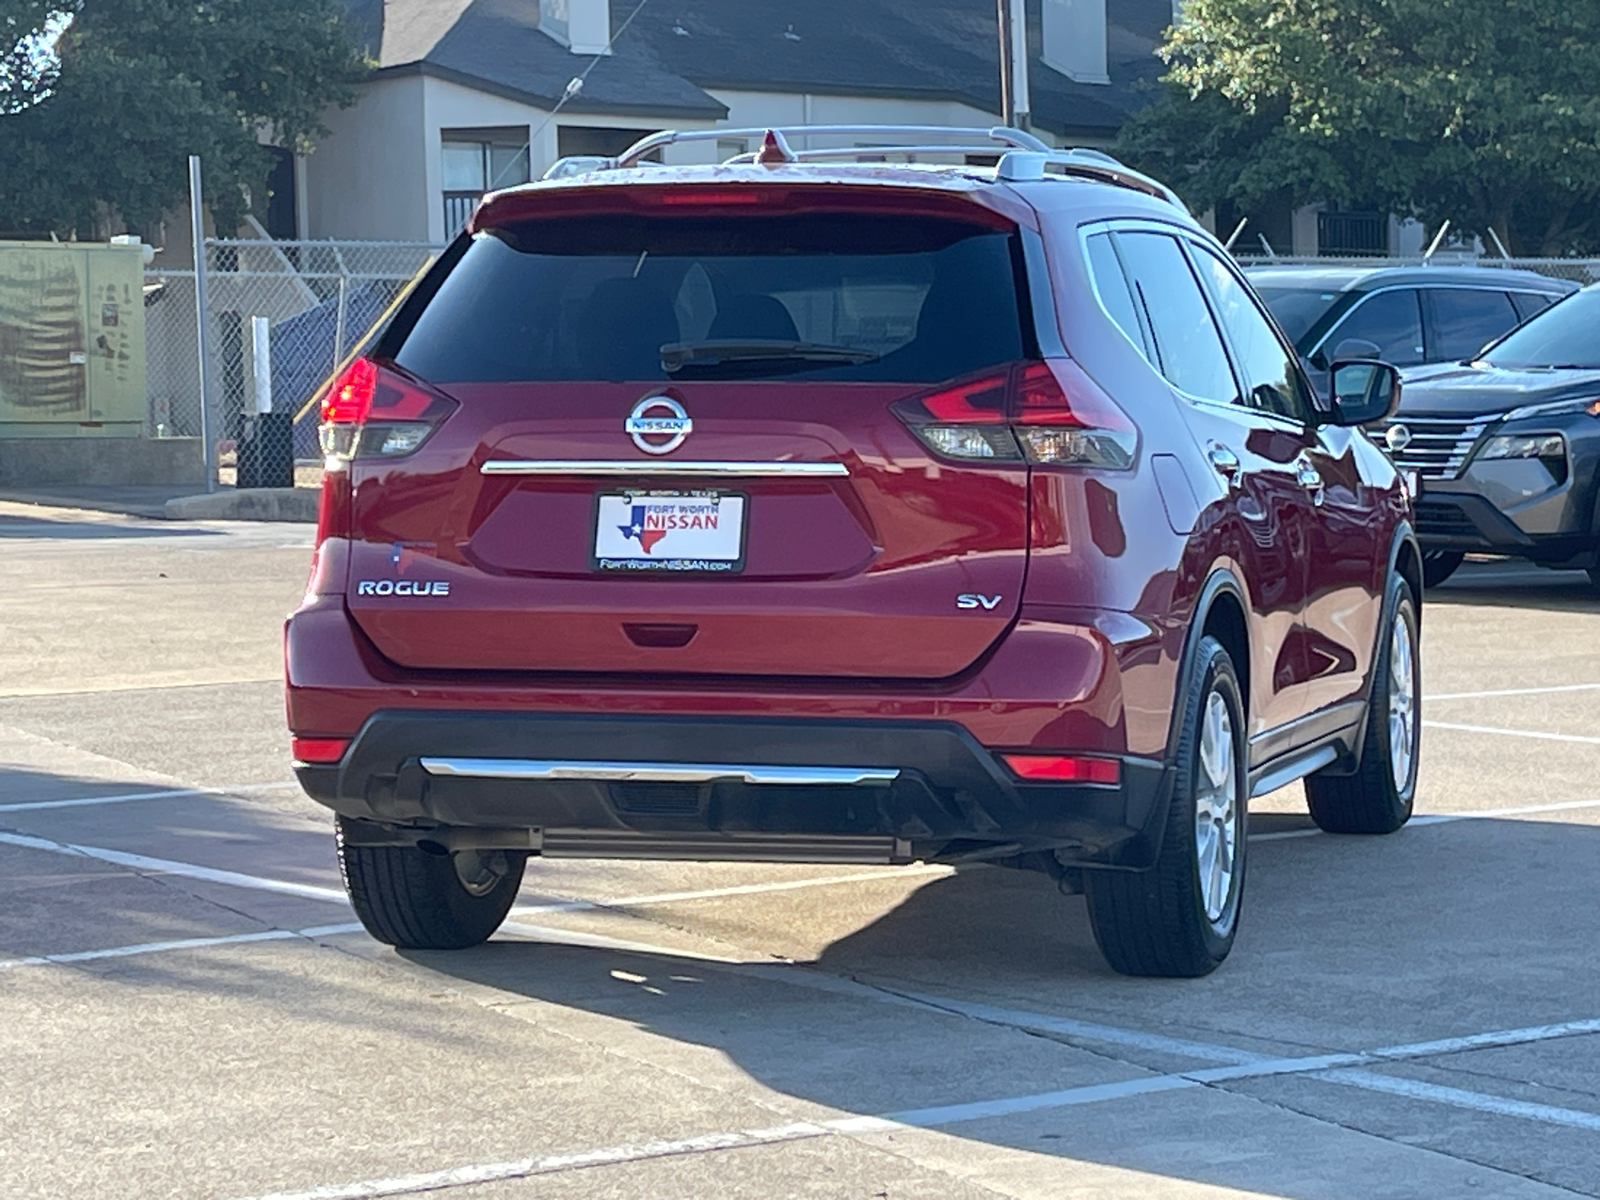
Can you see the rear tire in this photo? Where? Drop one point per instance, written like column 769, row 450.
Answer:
column 1178, row 919
column 1439, row 565
column 414, row 900
column 1379, row 796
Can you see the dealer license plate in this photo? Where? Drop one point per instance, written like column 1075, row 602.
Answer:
column 669, row 531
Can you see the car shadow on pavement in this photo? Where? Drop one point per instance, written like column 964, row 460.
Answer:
column 1516, row 586
column 1348, row 944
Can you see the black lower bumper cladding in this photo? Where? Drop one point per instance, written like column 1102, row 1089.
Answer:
column 950, row 795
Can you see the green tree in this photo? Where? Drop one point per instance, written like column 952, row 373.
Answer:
column 97, row 135
column 1483, row 112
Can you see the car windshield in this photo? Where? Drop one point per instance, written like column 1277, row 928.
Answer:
column 1566, row 334
column 1297, row 309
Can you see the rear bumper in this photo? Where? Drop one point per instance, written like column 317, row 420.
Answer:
column 1061, row 681
column 915, row 789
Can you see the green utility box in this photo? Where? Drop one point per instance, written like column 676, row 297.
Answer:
column 72, row 352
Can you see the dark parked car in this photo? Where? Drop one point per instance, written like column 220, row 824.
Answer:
column 1402, row 315
column 1508, row 445
column 798, row 510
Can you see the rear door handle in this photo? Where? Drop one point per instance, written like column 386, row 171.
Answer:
column 1226, row 462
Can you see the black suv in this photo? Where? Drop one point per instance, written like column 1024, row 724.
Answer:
column 1407, row 316
column 1507, row 447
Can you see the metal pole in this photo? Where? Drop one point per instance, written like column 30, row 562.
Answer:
column 338, row 324
column 197, row 225
column 1021, row 102
column 1003, row 15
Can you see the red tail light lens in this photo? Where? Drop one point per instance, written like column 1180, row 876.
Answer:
column 375, row 412
column 1064, row 768
column 318, row 750
column 1025, row 412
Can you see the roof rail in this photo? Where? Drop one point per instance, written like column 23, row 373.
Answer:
column 1000, row 136
column 1018, row 166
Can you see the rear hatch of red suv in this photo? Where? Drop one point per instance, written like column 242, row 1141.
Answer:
column 685, row 431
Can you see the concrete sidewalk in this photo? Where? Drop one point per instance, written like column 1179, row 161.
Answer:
column 178, row 503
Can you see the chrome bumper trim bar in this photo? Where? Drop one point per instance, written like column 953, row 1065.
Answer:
column 630, row 468
column 637, row 772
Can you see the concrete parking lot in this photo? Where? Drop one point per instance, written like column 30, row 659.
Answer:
column 187, row 1009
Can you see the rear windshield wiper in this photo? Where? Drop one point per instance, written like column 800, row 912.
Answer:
column 675, row 356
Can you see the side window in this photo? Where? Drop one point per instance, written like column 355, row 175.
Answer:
column 1271, row 373
column 1461, row 321
column 1188, row 347
column 1112, row 286
column 1531, row 304
column 1391, row 321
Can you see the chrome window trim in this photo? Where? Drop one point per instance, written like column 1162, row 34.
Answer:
column 630, row 468
column 655, row 772
column 1173, row 230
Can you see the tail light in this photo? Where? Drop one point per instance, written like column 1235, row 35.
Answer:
column 370, row 411
column 1045, row 413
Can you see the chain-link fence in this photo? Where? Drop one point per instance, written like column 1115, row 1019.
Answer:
column 318, row 299
column 1581, row 271
column 281, row 316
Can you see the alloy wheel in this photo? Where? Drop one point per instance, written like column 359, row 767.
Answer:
column 1402, row 702
column 480, row 871
column 1216, row 809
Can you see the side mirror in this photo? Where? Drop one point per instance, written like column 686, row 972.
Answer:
column 1352, row 348
column 1364, row 391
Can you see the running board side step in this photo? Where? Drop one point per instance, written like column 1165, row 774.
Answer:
column 646, row 772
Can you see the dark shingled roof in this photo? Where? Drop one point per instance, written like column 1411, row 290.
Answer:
column 674, row 49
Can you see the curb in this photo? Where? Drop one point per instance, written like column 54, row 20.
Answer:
column 252, row 504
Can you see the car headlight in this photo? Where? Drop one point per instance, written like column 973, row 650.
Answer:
column 1560, row 408
column 1538, row 445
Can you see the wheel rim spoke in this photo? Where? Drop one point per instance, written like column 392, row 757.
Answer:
column 1216, row 810
column 1402, row 702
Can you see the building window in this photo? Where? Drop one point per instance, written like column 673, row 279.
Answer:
column 585, row 140
column 475, row 161
column 1352, row 233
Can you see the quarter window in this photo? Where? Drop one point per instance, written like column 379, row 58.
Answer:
column 1188, row 348
column 1271, row 375
column 1112, row 286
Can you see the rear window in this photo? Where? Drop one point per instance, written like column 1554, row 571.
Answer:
column 825, row 296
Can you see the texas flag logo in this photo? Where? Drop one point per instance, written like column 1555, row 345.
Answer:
column 648, row 532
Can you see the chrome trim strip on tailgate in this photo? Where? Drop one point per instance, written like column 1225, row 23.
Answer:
column 645, row 772
column 628, row 467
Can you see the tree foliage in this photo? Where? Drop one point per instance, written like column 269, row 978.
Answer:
column 1483, row 112
column 98, row 140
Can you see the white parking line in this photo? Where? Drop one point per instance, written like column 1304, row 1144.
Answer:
column 163, row 866
column 168, row 794
column 1525, row 691
column 1487, row 814
column 1523, row 733
column 1502, row 1106
column 266, row 935
column 1339, row 1068
column 1330, row 1068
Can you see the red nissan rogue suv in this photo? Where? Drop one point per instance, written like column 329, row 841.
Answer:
column 806, row 509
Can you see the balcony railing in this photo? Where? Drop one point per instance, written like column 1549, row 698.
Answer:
column 458, row 208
